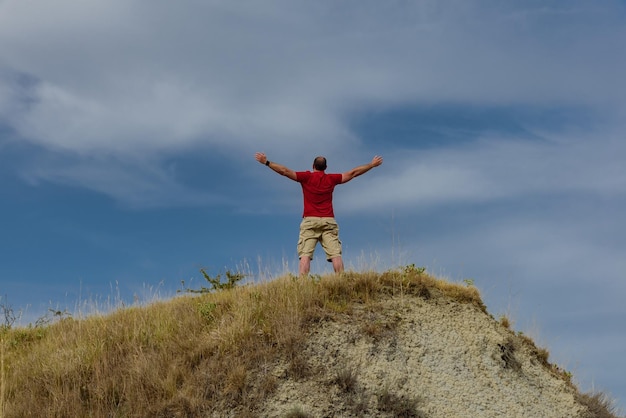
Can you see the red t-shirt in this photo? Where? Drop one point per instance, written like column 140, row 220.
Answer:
column 317, row 190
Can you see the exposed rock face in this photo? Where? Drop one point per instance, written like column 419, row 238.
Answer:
column 418, row 357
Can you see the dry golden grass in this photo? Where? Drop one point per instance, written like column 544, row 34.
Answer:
column 192, row 354
column 598, row 405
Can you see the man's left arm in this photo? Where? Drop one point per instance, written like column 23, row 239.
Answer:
column 279, row 168
column 362, row 169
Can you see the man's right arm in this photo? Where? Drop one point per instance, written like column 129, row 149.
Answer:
column 362, row 169
column 279, row 168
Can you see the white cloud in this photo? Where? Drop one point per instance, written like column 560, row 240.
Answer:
column 123, row 71
column 494, row 169
column 129, row 79
column 137, row 184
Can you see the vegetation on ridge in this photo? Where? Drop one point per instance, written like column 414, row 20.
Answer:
column 198, row 353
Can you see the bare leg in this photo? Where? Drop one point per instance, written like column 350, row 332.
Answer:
column 305, row 265
column 337, row 264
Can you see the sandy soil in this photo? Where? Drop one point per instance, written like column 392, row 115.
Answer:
column 415, row 357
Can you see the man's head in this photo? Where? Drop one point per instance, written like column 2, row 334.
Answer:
column 319, row 163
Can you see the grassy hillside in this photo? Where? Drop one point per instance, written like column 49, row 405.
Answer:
column 283, row 348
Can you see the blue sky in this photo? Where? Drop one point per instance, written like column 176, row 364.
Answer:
column 128, row 131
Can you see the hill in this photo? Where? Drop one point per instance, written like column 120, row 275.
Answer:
column 397, row 344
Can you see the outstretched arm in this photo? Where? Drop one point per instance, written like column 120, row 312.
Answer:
column 362, row 169
column 280, row 169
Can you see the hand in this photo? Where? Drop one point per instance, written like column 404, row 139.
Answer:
column 376, row 161
column 260, row 157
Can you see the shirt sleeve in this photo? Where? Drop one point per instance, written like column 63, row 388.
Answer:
column 336, row 178
column 302, row 176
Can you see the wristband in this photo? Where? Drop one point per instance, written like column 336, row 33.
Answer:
column 267, row 163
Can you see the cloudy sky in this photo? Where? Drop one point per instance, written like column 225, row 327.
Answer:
column 128, row 130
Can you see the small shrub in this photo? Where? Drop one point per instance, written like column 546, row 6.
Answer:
column 232, row 279
column 412, row 269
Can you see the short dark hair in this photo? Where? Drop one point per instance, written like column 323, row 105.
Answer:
column 319, row 163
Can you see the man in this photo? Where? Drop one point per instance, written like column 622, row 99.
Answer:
column 318, row 218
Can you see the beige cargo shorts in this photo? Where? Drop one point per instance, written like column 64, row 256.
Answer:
column 323, row 230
